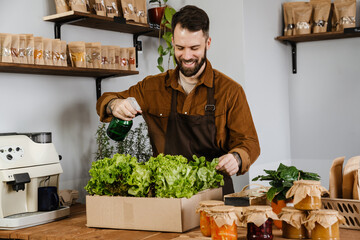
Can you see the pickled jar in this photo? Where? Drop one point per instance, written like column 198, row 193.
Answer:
column 205, row 226
column 259, row 222
column 324, row 224
column 293, row 223
column 307, row 194
column 264, row 231
column 223, row 223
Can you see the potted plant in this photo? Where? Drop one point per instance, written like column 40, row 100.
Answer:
column 281, row 180
column 156, row 12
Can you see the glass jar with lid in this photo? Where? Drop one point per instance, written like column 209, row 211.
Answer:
column 259, row 222
column 307, row 194
column 223, row 221
column 324, row 224
column 204, row 209
column 293, row 223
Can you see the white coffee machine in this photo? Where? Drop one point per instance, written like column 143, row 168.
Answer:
column 27, row 161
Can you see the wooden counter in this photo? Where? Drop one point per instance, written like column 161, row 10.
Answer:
column 74, row 227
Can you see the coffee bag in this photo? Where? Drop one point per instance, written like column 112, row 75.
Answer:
column 6, row 47
column 128, row 9
column 80, row 5
column 302, row 16
column 111, row 8
column 63, row 53
column 321, row 12
column 29, row 49
column 62, row 6
column 345, row 13
column 48, row 58
column 77, row 54
column 100, row 7
column 38, row 51
column 132, row 59
column 15, row 43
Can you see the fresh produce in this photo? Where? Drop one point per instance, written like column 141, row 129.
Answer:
column 162, row 176
column 282, row 179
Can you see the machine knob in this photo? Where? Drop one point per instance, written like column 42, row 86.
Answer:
column 9, row 157
column 17, row 149
column 10, row 149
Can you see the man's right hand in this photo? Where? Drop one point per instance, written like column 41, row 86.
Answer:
column 122, row 109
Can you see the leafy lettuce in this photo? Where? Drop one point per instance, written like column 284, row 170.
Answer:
column 163, row 176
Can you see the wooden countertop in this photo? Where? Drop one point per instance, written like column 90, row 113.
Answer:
column 74, row 227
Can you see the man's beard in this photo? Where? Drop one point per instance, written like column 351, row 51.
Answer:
column 188, row 72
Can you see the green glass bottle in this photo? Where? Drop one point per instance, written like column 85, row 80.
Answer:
column 118, row 128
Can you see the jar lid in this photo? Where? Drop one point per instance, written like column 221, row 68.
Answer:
column 259, row 208
column 307, row 182
column 291, row 210
column 222, row 209
column 211, row 203
column 324, row 212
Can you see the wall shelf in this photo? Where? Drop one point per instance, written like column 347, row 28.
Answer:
column 98, row 74
column 293, row 40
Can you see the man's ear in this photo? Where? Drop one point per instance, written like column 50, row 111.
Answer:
column 208, row 43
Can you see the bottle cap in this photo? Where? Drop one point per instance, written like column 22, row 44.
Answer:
column 134, row 103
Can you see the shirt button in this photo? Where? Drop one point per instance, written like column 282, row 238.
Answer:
column 185, row 112
column 160, row 114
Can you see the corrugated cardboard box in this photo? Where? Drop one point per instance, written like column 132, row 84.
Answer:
column 153, row 214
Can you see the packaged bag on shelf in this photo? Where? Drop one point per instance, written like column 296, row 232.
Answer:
column 288, row 18
column 352, row 165
column 140, row 11
column 124, row 59
column 96, row 54
column 63, row 53
column 6, row 47
column 62, row 6
column 29, row 48
column 104, row 57
column 77, row 54
column 321, row 12
column 335, row 177
column 345, row 14
column 15, row 39
column 128, row 9
column 38, row 51
column 88, row 57
column 111, row 57
column 111, row 8
column 56, row 49
column 117, row 57
column 80, row 5
column 302, row 16
column 132, row 59
column 356, row 187
column 22, row 46
column 99, row 6
column 48, row 58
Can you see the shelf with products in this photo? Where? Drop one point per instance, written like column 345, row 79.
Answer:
column 98, row 74
column 293, row 40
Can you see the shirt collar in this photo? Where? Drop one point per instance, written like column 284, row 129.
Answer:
column 206, row 77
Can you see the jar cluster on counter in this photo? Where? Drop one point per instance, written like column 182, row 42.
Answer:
column 305, row 220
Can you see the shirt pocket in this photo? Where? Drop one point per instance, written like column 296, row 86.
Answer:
column 159, row 112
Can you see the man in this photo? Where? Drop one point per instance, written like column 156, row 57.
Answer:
column 193, row 109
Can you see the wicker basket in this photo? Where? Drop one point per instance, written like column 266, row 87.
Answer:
column 348, row 208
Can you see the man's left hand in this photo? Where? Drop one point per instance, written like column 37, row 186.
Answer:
column 228, row 164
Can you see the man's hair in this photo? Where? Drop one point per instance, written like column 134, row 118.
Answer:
column 191, row 18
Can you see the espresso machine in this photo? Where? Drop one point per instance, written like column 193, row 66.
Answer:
column 27, row 161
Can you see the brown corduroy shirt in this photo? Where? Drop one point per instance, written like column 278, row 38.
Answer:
column 235, row 130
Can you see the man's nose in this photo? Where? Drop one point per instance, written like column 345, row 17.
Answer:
column 187, row 54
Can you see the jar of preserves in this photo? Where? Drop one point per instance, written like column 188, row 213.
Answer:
column 204, row 209
column 293, row 223
column 223, row 221
column 259, row 222
column 324, row 224
column 307, row 194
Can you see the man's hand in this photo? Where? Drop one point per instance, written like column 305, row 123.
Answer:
column 228, row 164
column 122, row 109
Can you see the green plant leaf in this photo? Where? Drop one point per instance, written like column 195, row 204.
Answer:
column 160, row 60
column 160, row 50
column 168, row 25
column 160, row 68
column 271, row 194
column 169, row 12
column 167, row 36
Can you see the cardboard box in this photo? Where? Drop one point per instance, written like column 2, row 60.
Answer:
column 153, row 214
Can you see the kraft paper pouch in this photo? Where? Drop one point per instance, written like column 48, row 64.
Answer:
column 124, row 59
column 288, row 18
column 132, row 60
column 6, row 47
column 141, row 11
column 15, row 39
column 56, row 49
column 128, row 9
column 96, row 54
column 111, row 8
column 117, row 57
column 29, row 49
column 63, row 53
column 62, row 6
column 100, row 7
column 321, row 12
column 22, row 47
column 352, row 165
column 111, row 57
column 80, row 5
column 345, row 14
column 88, row 57
column 38, row 51
column 335, row 178
column 48, row 59
column 104, row 57
column 77, row 54
column 356, row 188
column 302, row 15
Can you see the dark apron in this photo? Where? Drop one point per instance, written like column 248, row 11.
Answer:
column 195, row 135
